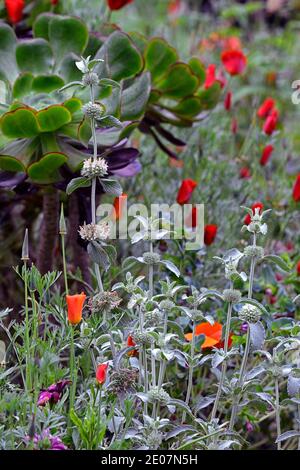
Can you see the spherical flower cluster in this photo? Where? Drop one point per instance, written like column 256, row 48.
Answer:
column 104, row 302
column 93, row 110
column 92, row 232
column 151, row 258
column 232, row 295
column 94, row 167
column 154, row 439
column 123, row 380
column 90, row 79
column 254, row 252
column 142, row 338
column 154, row 317
column 249, row 313
column 166, row 305
column 159, row 395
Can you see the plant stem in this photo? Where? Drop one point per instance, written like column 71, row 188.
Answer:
column 72, row 369
column 64, row 262
column 191, row 370
column 224, row 363
column 27, row 333
column 277, row 409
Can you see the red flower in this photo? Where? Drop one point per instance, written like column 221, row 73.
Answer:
column 186, row 190
column 296, row 189
column 118, row 4
column 265, row 108
column 175, row 7
column 210, row 76
column 75, row 305
column 234, row 61
column 266, row 154
column 234, row 125
column 270, row 124
column 54, row 2
column 14, row 10
column 212, row 333
column 257, row 205
column 130, row 342
column 245, row 173
column 119, row 203
column 227, row 101
column 298, row 268
column 191, row 220
column 210, row 232
column 101, row 373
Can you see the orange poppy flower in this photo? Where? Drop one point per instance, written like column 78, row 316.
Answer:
column 119, row 205
column 101, row 373
column 130, row 342
column 75, row 305
column 212, row 333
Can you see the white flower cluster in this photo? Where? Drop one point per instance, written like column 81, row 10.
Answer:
column 93, row 232
column 94, row 167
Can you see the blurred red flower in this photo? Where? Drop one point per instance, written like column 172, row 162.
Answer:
column 234, row 125
column 267, row 151
column 130, row 342
column 101, row 373
column 234, row 61
column 212, row 333
column 210, row 232
column 118, row 4
column 298, row 268
column 245, row 173
column 185, row 191
column 265, row 108
column 296, row 189
column 210, row 76
column 270, row 124
column 256, row 205
column 14, row 10
column 227, row 101
column 119, row 204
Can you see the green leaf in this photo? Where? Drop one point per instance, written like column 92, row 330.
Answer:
column 122, row 58
column 34, row 55
column 76, row 183
column 198, row 69
column 278, row 261
column 73, row 105
column 109, row 121
column 8, row 163
column 111, row 187
column 171, row 267
column 19, row 123
column 257, row 335
column 188, row 107
column 52, row 118
column 23, row 85
column 41, row 26
column 68, row 69
column 210, row 97
column 67, row 35
column 178, row 82
column 109, row 82
column 135, row 97
column 8, row 65
column 159, row 55
column 45, row 170
column 98, row 255
column 47, row 83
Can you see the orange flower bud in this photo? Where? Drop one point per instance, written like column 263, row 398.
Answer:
column 75, row 305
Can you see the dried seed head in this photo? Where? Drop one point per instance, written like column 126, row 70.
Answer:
column 123, row 381
column 159, row 395
column 93, row 110
column 151, row 258
column 92, row 232
column 90, row 79
column 104, row 302
column 166, row 305
column 94, row 167
column 232, row 295
column 254, row 252
column 249, row 313
column 142, row 338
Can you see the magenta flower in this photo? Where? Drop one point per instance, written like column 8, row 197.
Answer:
column 45, row 441
column 53, row 393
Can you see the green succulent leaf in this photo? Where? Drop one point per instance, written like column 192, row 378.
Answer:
column 67, row 35
column 210, row 97
column 23, row 85
column 159, row 55
column 188, row 107
column 8, row 43
column 135, row 97
column 46, row 83
column 178, row 82
column 52, row 118
column 9, row 163
column 19, row 123
column 45, row 171
column 34, row 55
column 198, row 69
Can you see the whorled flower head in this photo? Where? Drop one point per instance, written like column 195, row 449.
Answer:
column 154, row 439
column 249, row 313
column 151, row 258
column 232, row 295
column 90, row 79
column 166, row 305
column 141, row 338
column 104, row 302
column 123, row 381
column 254, row 252
column 92, row 232
column 94, row 167
column 159, row 395
column 154, row 317
column 93, row 110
